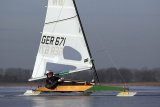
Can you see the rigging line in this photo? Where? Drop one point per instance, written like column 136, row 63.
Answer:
column 61, row 20
column 114, row 64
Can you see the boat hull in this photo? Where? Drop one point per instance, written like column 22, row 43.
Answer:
column 80, row 88
column 85, row 89
column 70, row 88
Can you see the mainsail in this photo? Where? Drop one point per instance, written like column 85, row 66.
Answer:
column 61, row 29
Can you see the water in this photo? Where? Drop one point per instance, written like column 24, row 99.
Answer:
column 13, row 97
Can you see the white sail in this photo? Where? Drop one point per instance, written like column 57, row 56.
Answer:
column 61, row 29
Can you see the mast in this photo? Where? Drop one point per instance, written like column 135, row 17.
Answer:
column 94, row 68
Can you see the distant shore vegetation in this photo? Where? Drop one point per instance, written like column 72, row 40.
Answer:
column 109, row 75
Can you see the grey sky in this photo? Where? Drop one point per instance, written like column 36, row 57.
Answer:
column 121, row 32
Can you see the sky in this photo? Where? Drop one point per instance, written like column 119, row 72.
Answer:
column 120, row 33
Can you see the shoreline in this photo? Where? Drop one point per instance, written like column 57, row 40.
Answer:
column 110, row 84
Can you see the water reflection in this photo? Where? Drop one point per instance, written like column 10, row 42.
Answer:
column 12, row 97
column 62, row 101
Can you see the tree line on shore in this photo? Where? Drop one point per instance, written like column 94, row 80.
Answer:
column 109, row 75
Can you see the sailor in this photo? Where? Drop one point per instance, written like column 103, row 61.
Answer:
column 52, row 80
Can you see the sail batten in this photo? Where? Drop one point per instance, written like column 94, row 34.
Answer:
column 59, row 7
column 61, row 20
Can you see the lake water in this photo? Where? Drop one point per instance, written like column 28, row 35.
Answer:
column 13, row 97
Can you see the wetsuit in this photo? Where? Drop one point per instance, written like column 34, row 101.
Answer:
column 52, row 82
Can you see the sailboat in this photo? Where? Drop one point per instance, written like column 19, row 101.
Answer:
column 63, row 30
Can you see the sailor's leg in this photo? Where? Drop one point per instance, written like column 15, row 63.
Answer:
column 51, row 86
